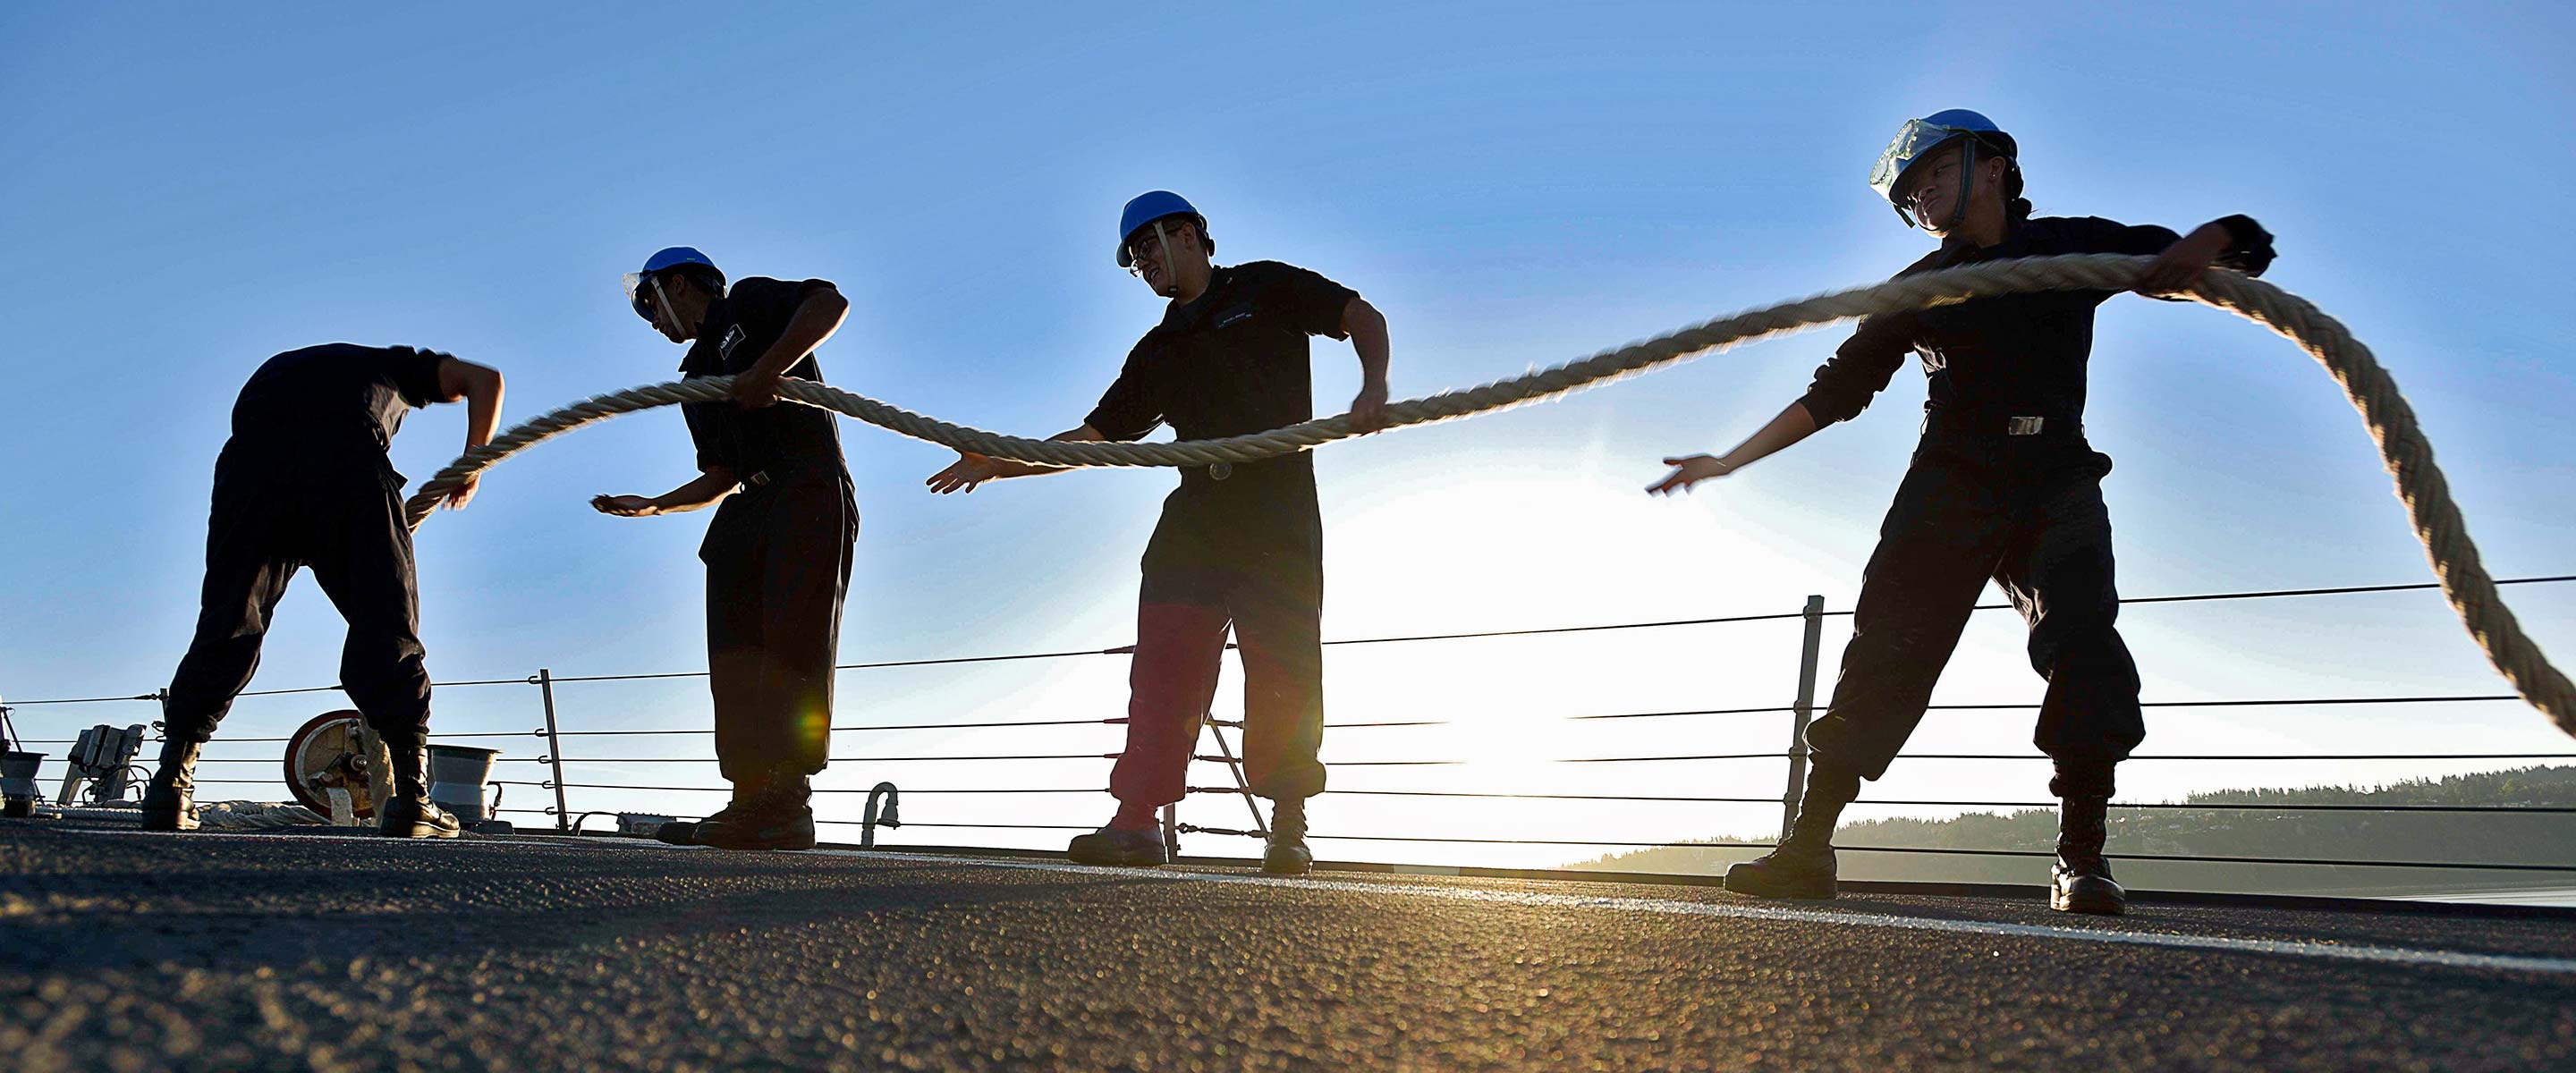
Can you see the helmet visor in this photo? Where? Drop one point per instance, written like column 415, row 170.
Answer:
column 639, row 295
column 1914, row 141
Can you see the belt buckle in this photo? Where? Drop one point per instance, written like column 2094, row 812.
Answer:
column 2024, row 426
column 1218, row 471
column 756, row 480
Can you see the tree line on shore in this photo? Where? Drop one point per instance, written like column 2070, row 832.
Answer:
column 2183, row 830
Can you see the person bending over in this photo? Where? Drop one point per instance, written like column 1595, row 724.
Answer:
column 304, row 481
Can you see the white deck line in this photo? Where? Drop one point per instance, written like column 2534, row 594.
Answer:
column 2384, row 955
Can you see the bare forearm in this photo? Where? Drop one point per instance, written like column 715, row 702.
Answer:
column 816, row 318
column 1367, row 329
column 1005, row 468
column 482, row 411
column 1793, row 424
column 481, row 388
column 707, row 489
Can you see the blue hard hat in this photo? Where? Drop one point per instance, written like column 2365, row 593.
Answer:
column 676, row 255
column 1152, row 205
column 1964, row 119
column 672, row 257
column 1920, row 138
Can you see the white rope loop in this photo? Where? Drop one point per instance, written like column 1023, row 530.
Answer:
column 2409, row 457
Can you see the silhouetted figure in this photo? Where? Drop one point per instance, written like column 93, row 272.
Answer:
column 1239, row 545
column 2004, row 487
column 304, row 482
column 777, row 553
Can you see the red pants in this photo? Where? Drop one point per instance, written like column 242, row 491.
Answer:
column 1181, row 623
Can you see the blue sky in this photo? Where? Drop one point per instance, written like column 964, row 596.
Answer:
column 192, row 189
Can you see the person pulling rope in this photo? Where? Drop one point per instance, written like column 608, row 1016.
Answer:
column 2005, row 487
column 1239, row 547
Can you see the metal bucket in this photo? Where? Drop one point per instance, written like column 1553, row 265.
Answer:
column 18, row 787
column 456, row 777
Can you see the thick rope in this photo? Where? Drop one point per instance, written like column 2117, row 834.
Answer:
column 2420, row 484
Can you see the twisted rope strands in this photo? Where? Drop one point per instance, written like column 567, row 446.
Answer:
column 2438, row 522
column 2409, row 457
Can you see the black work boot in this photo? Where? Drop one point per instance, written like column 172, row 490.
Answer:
column 1287, row 855
column 776, row 814
column 170, row 799
column 685, row 832
column 2080, row 881
column 1120, row 846
column 409, row 813
column 1802, row 865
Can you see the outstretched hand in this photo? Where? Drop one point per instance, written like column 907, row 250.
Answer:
column 463, row 493
column 964, row 474
column 1687, row 471
column 624, row 506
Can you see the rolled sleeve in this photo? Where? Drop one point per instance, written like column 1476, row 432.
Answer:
column 2249, row 247
column 1312, row 302
column 1128, row 410
column 2093, row 234
column 707, row 432
column 414, row 372
column 1859, row 369
column 762, row 297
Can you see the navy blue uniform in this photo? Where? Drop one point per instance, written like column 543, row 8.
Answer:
column 777, row 552
column 1239, row 545
column 304, row 481
column 2004, row 487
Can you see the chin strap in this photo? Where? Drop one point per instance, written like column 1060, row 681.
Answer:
column 662, row 304
column 1164, row 240
column 1967, row 181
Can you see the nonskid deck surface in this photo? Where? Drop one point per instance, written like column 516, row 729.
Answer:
column 125, row 950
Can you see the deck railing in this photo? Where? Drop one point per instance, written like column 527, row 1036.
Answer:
column 556, row 772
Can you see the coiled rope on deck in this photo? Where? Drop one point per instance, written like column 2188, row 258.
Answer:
column 2409, row 457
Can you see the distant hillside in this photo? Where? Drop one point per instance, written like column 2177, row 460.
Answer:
column 2432, row 836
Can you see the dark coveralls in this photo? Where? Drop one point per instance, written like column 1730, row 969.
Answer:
column 1240, row 544
column 304, row 482
column 2002, row 487
column 778, row 551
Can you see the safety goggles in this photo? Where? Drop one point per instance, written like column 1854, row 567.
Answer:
column 1148, row 238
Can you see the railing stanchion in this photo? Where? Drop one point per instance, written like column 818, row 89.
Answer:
column 1806, row 708
column 1235, row 767
column 554, row 748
